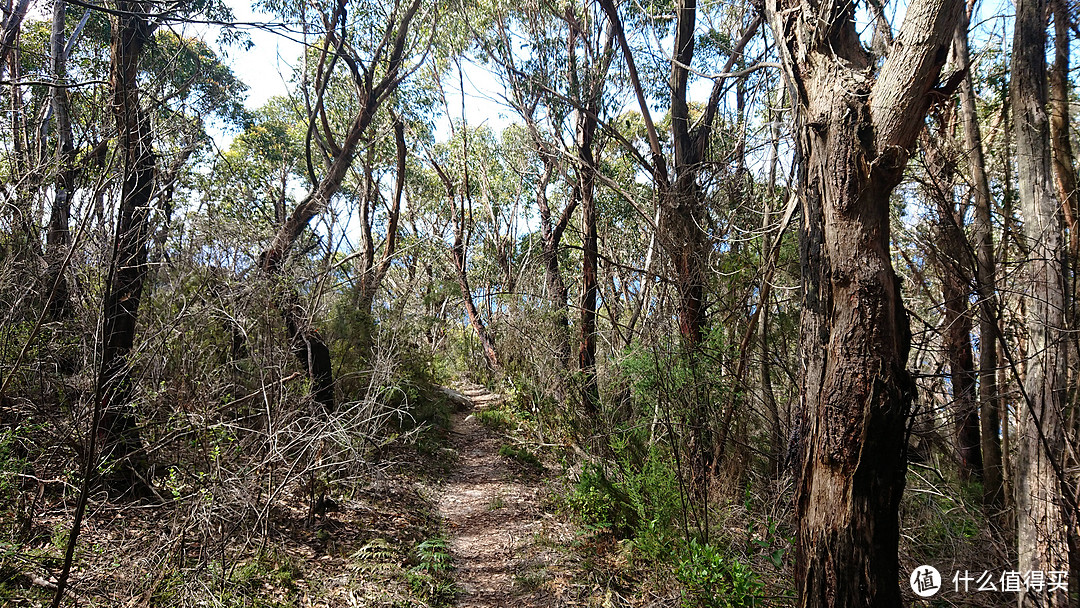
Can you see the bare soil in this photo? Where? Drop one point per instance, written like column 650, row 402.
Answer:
column 507, row 550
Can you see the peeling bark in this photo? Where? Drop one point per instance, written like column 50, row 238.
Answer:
column 853, row 135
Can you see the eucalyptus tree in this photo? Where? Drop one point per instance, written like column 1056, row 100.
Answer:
column 480, row 195
column 952, row 258
column 376, row 53
column 985, row 273
column 132, row 30
column 679, row 180
column 1040, row 481
column 372, row 269
column 856, row 123
column 559, row 85
column 535, row 93
column 1060, row 139
column 59, row 235
column 13, row 15
column 589, row 47
column 678, row 170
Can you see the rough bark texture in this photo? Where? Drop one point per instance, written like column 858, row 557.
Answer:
column 9, row 31
column 590, row 391
column 684, row 203
column 123, row 292
column 985, row 272
column 1041, row 539
column 854, row 132
column 1069, row 196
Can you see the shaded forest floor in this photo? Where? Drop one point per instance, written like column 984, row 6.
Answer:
column 470, row 509
column 467, row 516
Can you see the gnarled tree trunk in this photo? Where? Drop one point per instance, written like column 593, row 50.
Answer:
column 854, row 132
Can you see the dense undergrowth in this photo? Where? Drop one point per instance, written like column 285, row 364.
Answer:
column 262, row 499
column 648, row 536
column 259, row 497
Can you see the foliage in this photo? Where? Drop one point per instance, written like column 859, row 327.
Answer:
column 431, row 576
column 496, row 419
column 715, row 580
column 520, row 454
column 683, row 465
column 11, row 465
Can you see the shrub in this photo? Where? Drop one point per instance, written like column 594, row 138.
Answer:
column 520, row 454
column 430, row 578
column 497, row 420
column 711, row 580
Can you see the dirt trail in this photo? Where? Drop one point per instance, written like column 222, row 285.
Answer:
column 493, row 518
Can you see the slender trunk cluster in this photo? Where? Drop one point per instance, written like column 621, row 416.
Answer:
column 307, row 344
column 372, row 270
column 59, row 236
column 129, row 267
column 954, row 262
column 985, row 273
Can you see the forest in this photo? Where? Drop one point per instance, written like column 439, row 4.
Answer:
column 605, row 303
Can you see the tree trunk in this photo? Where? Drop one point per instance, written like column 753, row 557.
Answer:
column 550, row 239
column 982, row 231
column 586, row 186
column 684, row 211
column 307, row 344
column 953, row 260
column 457, row 254
column 59, row 236
column 10, row 31
column 123, row 291
column 23, row 175
column 853, row 137
column 681, row 200
column 684, row 204
column 1041, row 538
column 588, row 82
column 1060, row 144
column 372, row 271
column 958, row 351
column 776, row 434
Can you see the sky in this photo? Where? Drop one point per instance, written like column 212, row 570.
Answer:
column 267, row 66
